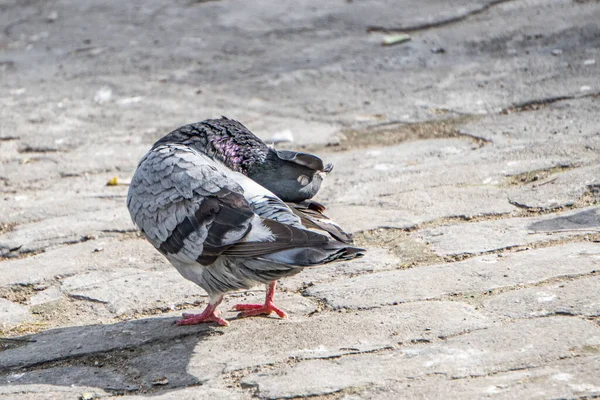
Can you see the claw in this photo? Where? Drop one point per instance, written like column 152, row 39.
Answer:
column 210, row 314
column 249, row 310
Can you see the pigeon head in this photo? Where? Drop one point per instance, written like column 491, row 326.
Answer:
column 291, row 176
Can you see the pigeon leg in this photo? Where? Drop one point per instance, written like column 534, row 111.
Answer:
column 210, row 314
column 248, row 310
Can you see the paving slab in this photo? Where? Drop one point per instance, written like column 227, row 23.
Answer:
column 568, row 121
column 479, row 353
column 251, row 342
column 58, row 344
column 577, row 297
column 439, row 83
column 129, row 290
column 96, row 377
column 478, row 274
column 47, row 392
column 12, row 314
column 192, row 393
column 480, row 237
column 84, row 193
column 36, row 236
column 46, row 296
column 103, row 254
column 558, row 190
column 407, row 210
column 329, row 335
column 561, row 379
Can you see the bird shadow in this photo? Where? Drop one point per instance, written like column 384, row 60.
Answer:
column 143, row 355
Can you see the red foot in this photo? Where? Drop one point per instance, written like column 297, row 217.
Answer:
column 249, row 310
column 208, row 315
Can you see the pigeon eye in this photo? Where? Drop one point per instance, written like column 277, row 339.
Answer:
column 303, row 180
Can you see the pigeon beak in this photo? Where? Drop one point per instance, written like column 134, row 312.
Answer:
column 328, row 168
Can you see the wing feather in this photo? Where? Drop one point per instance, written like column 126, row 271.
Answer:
column 311, row 215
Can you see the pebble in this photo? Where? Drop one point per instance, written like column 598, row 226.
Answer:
column 103, row 95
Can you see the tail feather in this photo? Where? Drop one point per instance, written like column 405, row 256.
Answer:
column 315, row 255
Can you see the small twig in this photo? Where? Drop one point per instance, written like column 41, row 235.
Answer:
column 547, row 182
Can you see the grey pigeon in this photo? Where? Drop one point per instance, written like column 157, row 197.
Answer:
column 196, row 197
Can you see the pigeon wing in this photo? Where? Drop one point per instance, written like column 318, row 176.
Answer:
column 311, row 215
column 193, row 209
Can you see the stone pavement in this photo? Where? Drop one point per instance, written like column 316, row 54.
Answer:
column 466, row 161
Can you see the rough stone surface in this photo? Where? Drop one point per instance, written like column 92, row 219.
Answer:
column 47, row 391
column 561, row 379
column 129, row 290
column 193, row 393
column 46, row 296
column 480, row 134
column 481, row 237
column 479, row 274
column 578, row 297
column 478, row 353
column 53, row 345
column 81, row 257
column 12, row 314
column 98, row 377
column 333, row 334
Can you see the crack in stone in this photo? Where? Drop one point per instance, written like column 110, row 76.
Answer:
column 437, row 24
column 537, row 104
column 86, row 298
column 8, row 138
column 322, row 303
column 236, row 376
column 536, row 175
column 84, row 358
column 474, row 298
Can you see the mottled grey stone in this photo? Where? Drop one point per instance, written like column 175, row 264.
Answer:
column 80, row 257
column 98, row 377
column 558, row 190
column 192, row 393
column 251, row 342
column 129, row 290
column 577, row 297
column 407, row 210
column 61, row 343
column 37, row 236
column 82, row 192
column 47, row 392
column 561, row 379
column 480, row 353
column 479, row 237
column 477, row 274
column 569, row 123
column 12, row 314
column 46, row 296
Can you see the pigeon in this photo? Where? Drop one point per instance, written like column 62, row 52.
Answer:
column 230, row 213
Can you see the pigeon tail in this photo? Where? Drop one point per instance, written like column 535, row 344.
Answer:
column 316, row 254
